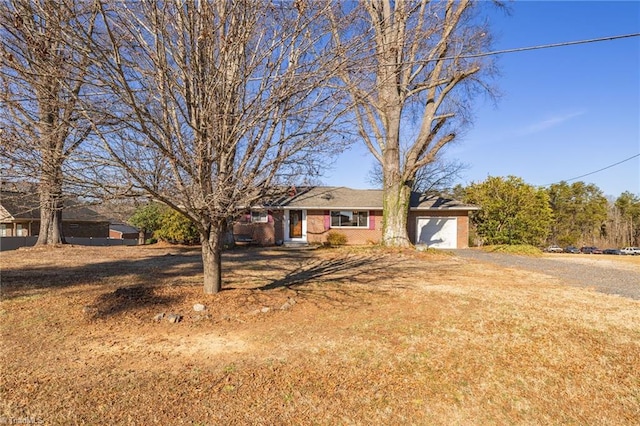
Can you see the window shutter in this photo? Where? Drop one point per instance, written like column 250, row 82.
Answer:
column 372, row 220
column 327, row 220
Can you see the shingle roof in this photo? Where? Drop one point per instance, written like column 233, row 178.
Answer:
column 18, row 205
column 121, row 227
column 332, row 197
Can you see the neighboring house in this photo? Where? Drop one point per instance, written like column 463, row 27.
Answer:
column 307, row 215
column 122, row 231
column 20, row 217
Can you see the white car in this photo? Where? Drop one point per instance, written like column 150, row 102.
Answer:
column 631, row 250
column 554, row 249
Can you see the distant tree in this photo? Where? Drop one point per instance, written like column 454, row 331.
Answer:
column 628, row 206
column 580, row 213
column 511, row 211
column 42, row 75
column 217, row 104
column 409, row 65
column 148, row 218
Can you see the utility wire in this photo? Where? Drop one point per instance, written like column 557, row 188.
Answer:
column 596, row 171
column 537, row 47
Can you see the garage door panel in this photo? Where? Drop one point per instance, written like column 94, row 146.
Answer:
column 437, row 232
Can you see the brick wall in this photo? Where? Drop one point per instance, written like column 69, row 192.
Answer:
column 261, row 233
column 317, row 229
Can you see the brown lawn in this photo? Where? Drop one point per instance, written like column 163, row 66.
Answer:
column 324, row 337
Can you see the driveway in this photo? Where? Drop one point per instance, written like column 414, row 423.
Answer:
column 606, row 274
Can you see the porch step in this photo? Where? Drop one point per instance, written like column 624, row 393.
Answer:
column 296, row 245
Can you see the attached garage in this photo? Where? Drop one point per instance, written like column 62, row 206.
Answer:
column 437, row 232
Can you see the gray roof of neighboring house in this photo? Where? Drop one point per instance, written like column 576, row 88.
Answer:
column 123, row 228
column 22, row 206
column 332, row 197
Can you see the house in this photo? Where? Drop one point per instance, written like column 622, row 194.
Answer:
column 307, row 215
column 20, row 217
column 122, row 231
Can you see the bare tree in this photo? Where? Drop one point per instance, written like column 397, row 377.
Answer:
column 217, row 104
column 407, row 65
column 42, row 77
column 436, row 177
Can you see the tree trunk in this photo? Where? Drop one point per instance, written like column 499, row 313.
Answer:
column 50, row 217
column 396, row 200
column 212, row 260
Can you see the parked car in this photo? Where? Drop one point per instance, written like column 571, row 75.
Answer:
column 590, row 250
column 611, row 251
column 554, row 249
column 572, row 249
column 631, row 250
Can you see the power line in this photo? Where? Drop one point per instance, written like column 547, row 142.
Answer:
column 596, row 171
column 540, row 46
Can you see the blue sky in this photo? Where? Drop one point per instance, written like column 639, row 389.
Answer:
column 564, row 112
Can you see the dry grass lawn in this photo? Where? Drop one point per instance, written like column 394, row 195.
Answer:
column 350, row 336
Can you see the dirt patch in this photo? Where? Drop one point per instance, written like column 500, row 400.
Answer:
column 348, row 336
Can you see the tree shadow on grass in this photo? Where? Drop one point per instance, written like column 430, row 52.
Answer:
column 339, row 270
column 133, row 284
column 20, row 282
column 133, row 298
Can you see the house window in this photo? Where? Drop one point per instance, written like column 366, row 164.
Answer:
column 20, row 231
column 349, row 219
column 3, row 231
column 259, row 216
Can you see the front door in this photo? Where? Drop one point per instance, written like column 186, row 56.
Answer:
column 295, row 223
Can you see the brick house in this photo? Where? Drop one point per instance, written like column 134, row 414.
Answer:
column 20, row 217
column 122, row 231
column 307, row 215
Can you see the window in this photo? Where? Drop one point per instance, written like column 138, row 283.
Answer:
column 4, row 231
column 346, row 218
column 259, row 216
column 20, row 231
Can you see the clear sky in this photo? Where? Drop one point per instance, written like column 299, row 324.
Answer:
column 564, row 112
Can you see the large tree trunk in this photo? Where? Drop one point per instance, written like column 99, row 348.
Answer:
column 212, row 259
column 50, row 215
column 396, row 200
column 397, row 192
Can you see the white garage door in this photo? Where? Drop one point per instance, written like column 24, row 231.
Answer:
column 437, row 232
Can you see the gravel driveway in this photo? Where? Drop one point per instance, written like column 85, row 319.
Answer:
column 594, row 271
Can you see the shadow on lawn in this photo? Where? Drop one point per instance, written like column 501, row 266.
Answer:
column 358, row 269
column 132, row 284
column 151, row 270
column 131, row 298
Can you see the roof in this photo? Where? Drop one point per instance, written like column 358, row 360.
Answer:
column 23, row 206
column 123, row 228
column 332, row 197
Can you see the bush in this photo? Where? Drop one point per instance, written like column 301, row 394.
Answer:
column 175, row 228
column 336, row 239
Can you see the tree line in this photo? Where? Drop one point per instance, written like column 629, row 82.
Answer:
column 514, row 212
